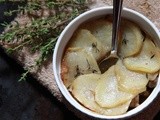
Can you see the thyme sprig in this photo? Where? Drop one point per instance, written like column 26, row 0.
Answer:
column 42, row 31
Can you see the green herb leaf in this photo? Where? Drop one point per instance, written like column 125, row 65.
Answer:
column 42, row 32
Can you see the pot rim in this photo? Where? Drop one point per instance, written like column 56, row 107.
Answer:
column 57, row 59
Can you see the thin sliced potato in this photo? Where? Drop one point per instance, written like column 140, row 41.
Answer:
column 77, row 62
column 148, row 60
column 107, row 93
column 132, row 39
column 83, row 89
column 102, row 30
column 130, row 81
column 121, row 109
column 84, row 39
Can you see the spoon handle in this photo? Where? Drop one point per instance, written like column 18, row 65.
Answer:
column 117, row 8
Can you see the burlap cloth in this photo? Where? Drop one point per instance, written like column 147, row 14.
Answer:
column 149, row 8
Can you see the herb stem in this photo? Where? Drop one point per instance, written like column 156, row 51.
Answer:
column 41, row 32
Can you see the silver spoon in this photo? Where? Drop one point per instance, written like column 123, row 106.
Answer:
column 113, row 57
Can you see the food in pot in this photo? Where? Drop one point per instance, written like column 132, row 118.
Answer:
column 124, row 85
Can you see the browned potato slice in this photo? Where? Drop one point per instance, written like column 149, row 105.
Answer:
column 83, row 89
column 152, row 84
column 135, row 102
column 107, row 93
column 148, row 60
column 152, row 76
column 132, row 39
column 130, row 81
column 102, row 30
column 84, row 39
column 77, row 62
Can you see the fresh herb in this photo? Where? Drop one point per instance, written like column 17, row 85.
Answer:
column 2, row 1
column 24, row 76
column 146, row 75
column 90, row 69
column 78, row 72
column 42, row 31
column 144, row 38
column 144, row 35
column 89, row 66
column 94, row 46
column 94, row 71
column 124, row 40
column 152, row 56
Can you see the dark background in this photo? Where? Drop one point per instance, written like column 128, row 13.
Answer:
column 26, row 100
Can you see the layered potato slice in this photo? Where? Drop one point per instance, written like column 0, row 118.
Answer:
column 148, row 60
column 132, row 39
column 102, row 30
column 83, row 89
column 84, row 39
column 107, row 93
column 77, row 62
column 130, row 81
column 118, row 110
